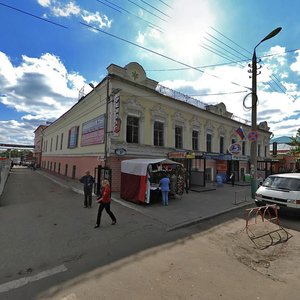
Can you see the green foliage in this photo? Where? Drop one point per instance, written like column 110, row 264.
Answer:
column 295, row 141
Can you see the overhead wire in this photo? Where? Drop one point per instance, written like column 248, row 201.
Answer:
column 148, row 11
column 188, row 66
column 165, row 3
column 153, row 7
column 159, row 54
column 130, row 13
column 32, row 15
column 109, row 6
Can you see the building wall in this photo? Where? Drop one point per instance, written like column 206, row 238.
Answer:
column 128, row 92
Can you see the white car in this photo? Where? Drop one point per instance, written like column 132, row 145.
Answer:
column 280, row 189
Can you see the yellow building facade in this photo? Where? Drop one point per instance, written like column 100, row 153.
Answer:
column 128, row 115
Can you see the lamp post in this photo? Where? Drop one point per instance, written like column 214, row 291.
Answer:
column 254, row 114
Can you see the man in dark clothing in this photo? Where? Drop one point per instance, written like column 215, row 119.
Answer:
column 232, row 177
column 88, row 182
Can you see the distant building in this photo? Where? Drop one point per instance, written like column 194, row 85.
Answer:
column 38, row 141
column 287, row 162
column 128, row 115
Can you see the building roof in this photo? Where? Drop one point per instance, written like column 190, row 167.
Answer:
column 281, row 140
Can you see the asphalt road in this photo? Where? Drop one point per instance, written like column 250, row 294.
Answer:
column 48, row 239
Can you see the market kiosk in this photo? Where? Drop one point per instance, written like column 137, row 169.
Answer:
column 140, row 179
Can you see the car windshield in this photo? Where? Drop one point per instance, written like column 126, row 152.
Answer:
column 282, row 183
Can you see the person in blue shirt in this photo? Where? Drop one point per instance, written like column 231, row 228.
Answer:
column 164, row 184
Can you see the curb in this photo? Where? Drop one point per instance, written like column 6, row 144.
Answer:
column 198, row 220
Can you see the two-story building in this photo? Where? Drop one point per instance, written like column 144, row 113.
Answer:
column 128, row 115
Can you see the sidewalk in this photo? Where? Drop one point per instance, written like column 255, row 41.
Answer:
column 199, row 204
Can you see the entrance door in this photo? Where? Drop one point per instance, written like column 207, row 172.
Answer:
column 233, row 166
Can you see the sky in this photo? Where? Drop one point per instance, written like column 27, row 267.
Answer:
column 51, row 50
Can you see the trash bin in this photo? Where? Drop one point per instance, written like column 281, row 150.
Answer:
column 247, row 178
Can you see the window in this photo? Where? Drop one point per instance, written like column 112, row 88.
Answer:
column 208, row 142
column 178, row 137
column 221, row 144
column 158, row 134
column 51, row 144
column 132, row 130
column 56, row 144
column 243, row 148
column 266, row 151
column 258, row 150
column 195, row 140
column 74, row 172
column 61, row 141
column 232, row 141
column 66, row 170
column 73, row 137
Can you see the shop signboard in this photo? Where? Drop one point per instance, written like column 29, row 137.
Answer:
column 93, row 131
column 217, row 156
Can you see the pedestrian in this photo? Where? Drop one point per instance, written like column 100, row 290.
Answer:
column 104, row 201
column 232, row 177
column 88, row 182
column 164, row 184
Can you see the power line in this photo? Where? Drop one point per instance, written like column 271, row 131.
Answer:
column 219, row 94
column 109, row 6
column 165, row 3
column 212, row 50
column 136, row 16
column 32, row 15
column 225, row 45
column 153, row 7
column 230, row 40
column 148, row 11
column 157, row 53
column 220, row 64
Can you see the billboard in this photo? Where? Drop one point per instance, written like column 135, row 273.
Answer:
column 93, row 131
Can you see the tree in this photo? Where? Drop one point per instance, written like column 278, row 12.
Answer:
column 295, row 141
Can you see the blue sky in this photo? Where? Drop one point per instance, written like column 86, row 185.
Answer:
column 48, row 53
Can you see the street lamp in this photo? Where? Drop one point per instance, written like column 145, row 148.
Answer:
column 254, row 114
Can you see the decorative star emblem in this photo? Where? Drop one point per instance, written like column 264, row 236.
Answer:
column 135, row 75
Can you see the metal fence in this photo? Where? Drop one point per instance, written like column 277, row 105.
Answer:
column 4, row 172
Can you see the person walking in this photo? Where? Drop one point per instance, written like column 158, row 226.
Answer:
column 88, row 182
column 164, row 184
column 104, row 201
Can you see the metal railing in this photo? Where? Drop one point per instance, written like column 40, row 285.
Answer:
column 190, row 100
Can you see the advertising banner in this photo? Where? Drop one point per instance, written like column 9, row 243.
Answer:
column 93, row 131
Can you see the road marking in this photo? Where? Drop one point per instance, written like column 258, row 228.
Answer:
column 70, row 297
column 5, row 287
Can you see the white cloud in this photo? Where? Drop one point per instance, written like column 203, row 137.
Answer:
column 296, row 65
column 71, row 9
column 141, row 38
column 66, row 10
column 40, row 88
column 96, row 18
column 274, row 107
column 44, row 3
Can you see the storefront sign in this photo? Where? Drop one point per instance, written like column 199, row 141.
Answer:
column 234, row 148
column 217, row 156
column 117, row 120
column 120, row 151
column 241, row 157
column 177, row 155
